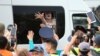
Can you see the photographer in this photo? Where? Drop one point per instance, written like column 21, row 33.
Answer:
column 92, row 29
column 77, row 37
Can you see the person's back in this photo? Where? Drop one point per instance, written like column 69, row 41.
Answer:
column 3, row 45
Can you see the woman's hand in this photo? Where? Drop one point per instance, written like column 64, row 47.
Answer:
column 30, row 35
column 39, row 15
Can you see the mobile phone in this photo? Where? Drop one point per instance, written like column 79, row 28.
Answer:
column 13, row 31
column 13, row 42
column 91, row 16
column 13, row 38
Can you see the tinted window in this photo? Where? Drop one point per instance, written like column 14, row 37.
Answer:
column 25, row 19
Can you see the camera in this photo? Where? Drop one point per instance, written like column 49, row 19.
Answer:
column 91, row 32
column 12, row 29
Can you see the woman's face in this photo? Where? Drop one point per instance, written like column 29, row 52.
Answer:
column 48, row 16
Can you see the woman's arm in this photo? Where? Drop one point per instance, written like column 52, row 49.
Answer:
column 30, row 38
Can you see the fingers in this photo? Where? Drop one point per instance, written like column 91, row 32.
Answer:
column 39, row 15
column 30, row 34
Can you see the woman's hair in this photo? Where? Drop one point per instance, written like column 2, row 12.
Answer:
column 23, row 52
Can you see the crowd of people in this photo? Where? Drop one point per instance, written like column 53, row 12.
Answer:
column 82, row 42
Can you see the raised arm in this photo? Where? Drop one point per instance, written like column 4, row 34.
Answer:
column 89, row 23
column 30, row 36
column 72, row 42
column 69, row 45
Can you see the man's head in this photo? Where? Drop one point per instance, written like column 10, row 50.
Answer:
column 3, row 42
column 84, row 48
column 80, row 31
column 37, row 51
column 2, row 29
column 97, row 41
column 80, row 28
column 51, row 45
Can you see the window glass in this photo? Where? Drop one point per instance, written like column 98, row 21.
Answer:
column 25, row 18
column 79, row 19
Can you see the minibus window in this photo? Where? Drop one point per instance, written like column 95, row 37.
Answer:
column 79, row 19
column 26, row 19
